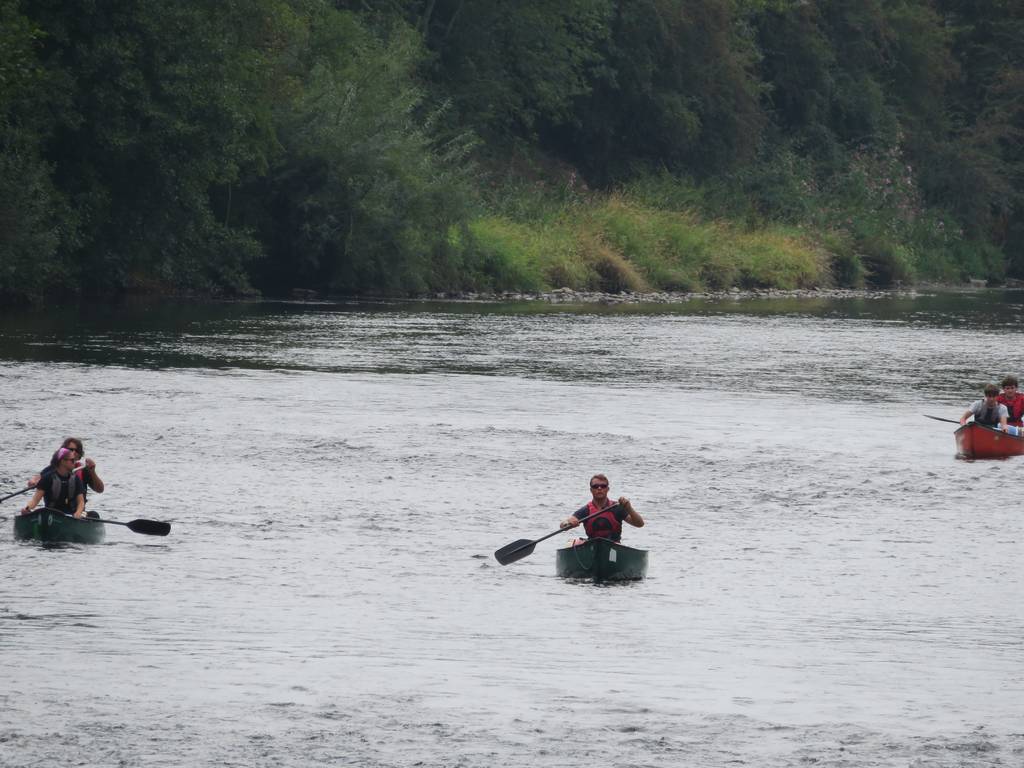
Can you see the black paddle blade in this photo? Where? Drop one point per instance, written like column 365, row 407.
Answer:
column 517, row 550
column 149, row 527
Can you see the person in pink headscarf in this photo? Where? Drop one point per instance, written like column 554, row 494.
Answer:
column 62, row 489
column 86, row 471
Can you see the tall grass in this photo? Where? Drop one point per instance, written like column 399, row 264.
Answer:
column 776, row 225
column 612, row 243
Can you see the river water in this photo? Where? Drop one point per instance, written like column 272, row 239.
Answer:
column 828, row 584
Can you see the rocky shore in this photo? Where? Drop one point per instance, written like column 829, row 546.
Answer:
column 570, row 296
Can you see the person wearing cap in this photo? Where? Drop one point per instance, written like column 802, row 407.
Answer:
column 62, row 489
column 608, row 515
column 988, row 412
column 86, row 473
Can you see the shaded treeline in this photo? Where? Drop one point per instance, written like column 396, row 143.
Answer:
column 392, row 145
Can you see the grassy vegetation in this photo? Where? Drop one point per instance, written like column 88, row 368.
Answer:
column 612, row 243
column 663, row 233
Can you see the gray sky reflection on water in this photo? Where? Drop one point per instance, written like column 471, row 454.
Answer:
column 827, row 582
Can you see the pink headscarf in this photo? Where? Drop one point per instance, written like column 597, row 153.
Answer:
column 59, row 455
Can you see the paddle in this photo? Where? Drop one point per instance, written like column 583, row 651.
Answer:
column 148, row 527
column 939, row 418
column 520, row 548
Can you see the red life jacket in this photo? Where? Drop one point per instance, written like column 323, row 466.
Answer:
column 605, row 525
column 1015, row 407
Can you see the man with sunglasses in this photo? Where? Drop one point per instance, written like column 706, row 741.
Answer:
column 604, row 524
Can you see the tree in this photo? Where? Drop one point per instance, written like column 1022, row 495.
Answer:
column 165, row 103
column 369, row 187
column 676, row 90
column 33, row 219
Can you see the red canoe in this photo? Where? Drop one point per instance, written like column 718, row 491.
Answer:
column 974, row 441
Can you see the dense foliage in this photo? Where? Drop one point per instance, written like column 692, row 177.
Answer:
column 407, row 146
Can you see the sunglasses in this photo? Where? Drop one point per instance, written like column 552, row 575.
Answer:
column 599, row 485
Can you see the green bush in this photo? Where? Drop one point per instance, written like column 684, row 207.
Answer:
column 886, row 262
column 847, row 267
column 773, row 258
column 508, row 254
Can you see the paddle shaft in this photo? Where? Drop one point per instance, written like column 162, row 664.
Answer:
column 939, row 418
column 17, row 493
column 581, row 520
column 504, row 554
column 953, row 421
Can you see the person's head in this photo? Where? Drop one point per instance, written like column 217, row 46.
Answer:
column 1010, row 384
column 599, row 486
column 991, row 391
column 75, row 444
column 63, row 459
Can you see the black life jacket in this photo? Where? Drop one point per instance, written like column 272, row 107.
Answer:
column 61, row 492
column 46, row 472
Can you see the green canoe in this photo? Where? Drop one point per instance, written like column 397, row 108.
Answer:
column 601, row 560
column 50, row 525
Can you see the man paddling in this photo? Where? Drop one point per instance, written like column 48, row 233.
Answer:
column 606, row 525
column 989, row 411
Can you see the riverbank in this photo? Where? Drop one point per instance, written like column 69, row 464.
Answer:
column 570, row 296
